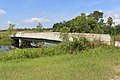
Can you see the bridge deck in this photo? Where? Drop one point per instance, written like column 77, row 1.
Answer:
column 55, row 36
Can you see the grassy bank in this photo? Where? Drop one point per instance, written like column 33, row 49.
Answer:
column 6, row 41
column 74, row 47
column 4, row 38
column 30, row 53
column 95, row 64
column 76, row 60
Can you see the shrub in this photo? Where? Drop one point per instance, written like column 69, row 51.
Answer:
column 79, row 44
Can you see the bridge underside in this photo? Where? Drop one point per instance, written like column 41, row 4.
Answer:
column 35, row 39
column 25, row 42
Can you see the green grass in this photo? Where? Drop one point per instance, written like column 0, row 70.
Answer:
column 94, row 64
column 4, row 38
column 58, row 63
column 6, row 41
column 30, row 53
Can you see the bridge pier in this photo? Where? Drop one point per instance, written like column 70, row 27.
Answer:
column 20, row 43
column 23, row 43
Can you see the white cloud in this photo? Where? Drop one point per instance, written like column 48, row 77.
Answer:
column 114, row 14
column 9, row 22
column 36, row 20
column 117, row 21
column 100, row 10
column 2, row 11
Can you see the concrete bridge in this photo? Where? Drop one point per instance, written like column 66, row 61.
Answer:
column 21, row 37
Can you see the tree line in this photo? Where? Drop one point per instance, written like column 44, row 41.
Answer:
column 37, row 28
column 92, row 23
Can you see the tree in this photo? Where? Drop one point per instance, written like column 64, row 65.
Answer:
column 57, row 26
column 64, row 35
column 81, row 24
column 96, row 15
column 39, row 27
column 11, row 27
column 92, row 23
column 117, row 29
column 110, row 21
column 98, row 29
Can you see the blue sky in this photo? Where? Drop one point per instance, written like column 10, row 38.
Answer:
column 28, row 13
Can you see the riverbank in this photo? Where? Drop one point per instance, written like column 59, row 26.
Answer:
column 77, row 60
column 6, row 41
column 5, row 38
column 101, row 63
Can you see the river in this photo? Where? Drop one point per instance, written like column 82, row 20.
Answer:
column 10, row 47
column 6, row 48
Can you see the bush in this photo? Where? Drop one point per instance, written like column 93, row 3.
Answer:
column 77, row 45
column 31, row 53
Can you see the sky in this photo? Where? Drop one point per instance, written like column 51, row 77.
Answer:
column 28, row 13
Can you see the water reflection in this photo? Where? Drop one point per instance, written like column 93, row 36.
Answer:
column 49, row 44
column 10, row 47
column 6, row 48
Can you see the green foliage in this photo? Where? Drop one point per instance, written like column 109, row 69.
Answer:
column 110, row 21
column 112, row 31
column 64, row 29
column 92, row 23
column 39, row 27
column 96, row 64
column 11, row 28
column 64, row 35
column 106, row 29
column 98, row 30
column 32, row 53
column 83, row 23
column 79, row 44
column 117, row 29
column 5, row 39
column 96, row 15
column 57, row 26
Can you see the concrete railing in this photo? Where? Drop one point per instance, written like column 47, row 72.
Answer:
column 41, row 35
column 117, row 43
column 105, row 38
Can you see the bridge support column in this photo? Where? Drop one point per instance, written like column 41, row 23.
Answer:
column 20, row 42
column 24, row 44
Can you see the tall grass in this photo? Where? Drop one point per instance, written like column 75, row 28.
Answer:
column 94, row 64
column 85, row 62
column 5, row 38
column 29, row 53
column 78, row 45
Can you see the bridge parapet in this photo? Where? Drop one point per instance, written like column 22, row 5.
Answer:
column 55, row 36
column 41, row 35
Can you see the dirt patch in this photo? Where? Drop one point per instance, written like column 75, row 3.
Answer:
column 114, row 78
column 117, row 70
